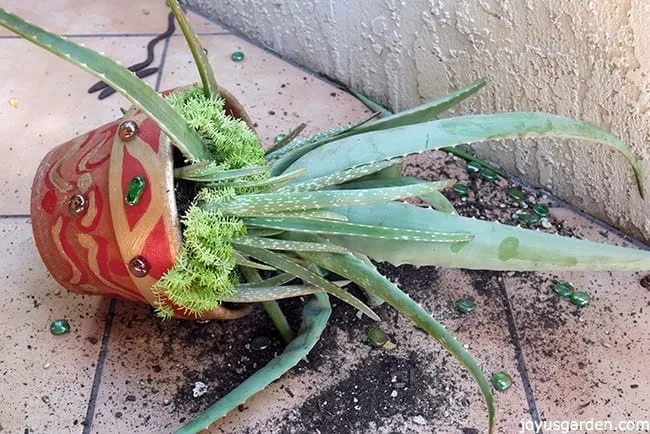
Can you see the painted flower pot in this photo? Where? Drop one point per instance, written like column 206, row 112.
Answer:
column 104, row 213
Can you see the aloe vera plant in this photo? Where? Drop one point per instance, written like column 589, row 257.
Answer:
column 327, row 204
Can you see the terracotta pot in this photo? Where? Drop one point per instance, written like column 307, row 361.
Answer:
column 91, row 237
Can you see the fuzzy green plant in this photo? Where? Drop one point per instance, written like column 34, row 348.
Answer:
column 328, row 204
column 205, row 272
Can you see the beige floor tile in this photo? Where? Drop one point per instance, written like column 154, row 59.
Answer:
column 153, row 366
column 51, row 106
column 202, row 25
column 45, row 380
column 74, row 17
column 589, row 363
column 277, row 95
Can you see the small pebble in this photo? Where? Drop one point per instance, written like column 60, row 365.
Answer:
column 419, row 420
column 393, row 394
column 200, row 389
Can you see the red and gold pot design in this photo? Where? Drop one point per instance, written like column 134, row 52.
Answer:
column 104, row 213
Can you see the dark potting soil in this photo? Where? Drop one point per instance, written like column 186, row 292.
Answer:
column 372, row 381
column 184, row 190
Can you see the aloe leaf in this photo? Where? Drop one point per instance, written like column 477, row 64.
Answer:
column 210, row 87
column 265, row 203
column 210, row 176
column 315, row 214
column 315, row 314
column 392, row 172
column 494, row 247
column 372, row 105
column 354, row 230
column 372, row 300
column 117, row 77
column 441, row 104
column 275, row 181
column 354, row 269
column 275, row 244
column 271, row 307
column 278, row 280
column 422, row 113
column 265, row 293
column 197, row 169
column 311, row 214
column 435, row 199
column 341, row 177
column 242, row 260
column 439, row 202
column 287, row 139
column 261, row 232
column 400, row 142
column 256, row 295
column 284, row 263
column 309, row 140
column 282, row 158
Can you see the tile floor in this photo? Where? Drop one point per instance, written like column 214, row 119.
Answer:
column 122, row 371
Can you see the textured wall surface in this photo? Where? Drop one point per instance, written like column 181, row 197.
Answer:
column 587, row 59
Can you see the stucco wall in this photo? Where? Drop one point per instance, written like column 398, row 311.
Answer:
column 588, row 59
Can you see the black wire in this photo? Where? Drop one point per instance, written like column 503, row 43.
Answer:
column 138, row 68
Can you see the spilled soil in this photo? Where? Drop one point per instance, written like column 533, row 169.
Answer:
column 346, row 385
column 384, row 391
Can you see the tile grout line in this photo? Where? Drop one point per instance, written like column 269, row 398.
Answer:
column 161, row 67
column 92, row 401
column 240, row 35
column 120, row 35
column 519, row 355
column 15, row 216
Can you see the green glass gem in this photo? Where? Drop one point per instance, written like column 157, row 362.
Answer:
column 515, row 194
column 541, row 210
column 473, row 167
column 260, row 343
column 377, row 337
column 279, row 138
column 526, row 218
column 59, row 327
column 488, row 174
column 237, row 56
column 465, row 305
column 580, row 299
column 135, row 190
column 501, row 381
column 563, row 289
column 461, row 190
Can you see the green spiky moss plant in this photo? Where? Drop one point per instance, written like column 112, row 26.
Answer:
column 330, row 206
column 204, row 273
